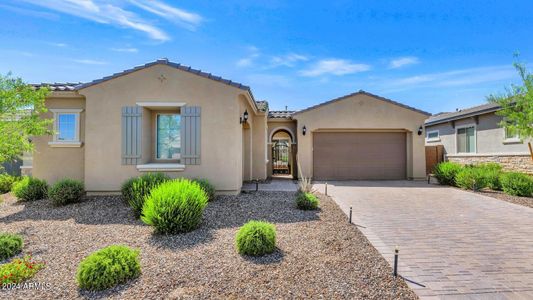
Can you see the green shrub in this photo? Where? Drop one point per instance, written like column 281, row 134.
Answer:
column 19, row 270
column 208, row 188
column 256, row 238
column 306, row 201
column 30, row 189
column 66, row 191
column 445, row 172
column 175, row 206
column 108, row 267
column 491, row 174
column 10, row 244
column 470, row 178
column 517, row 184
column 135, row 190
column 6, row 183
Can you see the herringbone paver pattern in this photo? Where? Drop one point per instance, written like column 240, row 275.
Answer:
column 455, row 244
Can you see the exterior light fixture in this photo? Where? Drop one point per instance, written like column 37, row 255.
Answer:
column 420, row 130
column 244, row 117
column 304, row 130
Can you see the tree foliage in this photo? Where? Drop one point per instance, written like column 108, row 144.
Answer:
column 517, row 104
column 20, row 108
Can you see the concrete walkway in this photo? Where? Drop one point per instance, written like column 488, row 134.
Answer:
column 274, row 185
column 453, row 244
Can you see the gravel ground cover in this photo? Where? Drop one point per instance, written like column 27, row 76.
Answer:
column 319, row 254
column 525, row 201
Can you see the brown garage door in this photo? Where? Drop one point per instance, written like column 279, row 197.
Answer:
column 359, row 155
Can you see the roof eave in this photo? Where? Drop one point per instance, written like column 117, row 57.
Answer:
column 459, row 117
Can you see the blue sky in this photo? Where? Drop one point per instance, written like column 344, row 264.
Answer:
column 436, row 57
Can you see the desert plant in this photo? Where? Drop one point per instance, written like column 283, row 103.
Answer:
column 304, row 183
column 306, row 201
column 66, row 191
column 470, row 178
column 30, row 189
column 135, row 190
column 6, row 182
column 256, row 238
column 517, row 184
column 445, row 172
column 19, row 270
column 175, row 206
column 208, row 188
column 491, row 174
column 108, row 267
column 10, row 244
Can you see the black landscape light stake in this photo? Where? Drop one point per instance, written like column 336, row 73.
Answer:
column 396, row 252
column 350, row 215
column 256, row 185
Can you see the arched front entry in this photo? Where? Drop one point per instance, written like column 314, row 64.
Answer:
column 283, row 153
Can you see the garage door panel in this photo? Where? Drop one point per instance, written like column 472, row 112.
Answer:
column 359, row 155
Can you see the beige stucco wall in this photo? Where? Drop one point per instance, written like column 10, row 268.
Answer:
column 54, row 163
column 259, row 151
column 362, row 112
column 221, row 133
column 490, row 137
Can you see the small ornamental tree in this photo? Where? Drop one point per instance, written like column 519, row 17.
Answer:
column 21, row 106
column 517, row 106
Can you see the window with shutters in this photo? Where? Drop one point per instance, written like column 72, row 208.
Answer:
column 168, row 136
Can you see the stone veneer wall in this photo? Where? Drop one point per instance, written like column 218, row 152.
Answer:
column 516, row 163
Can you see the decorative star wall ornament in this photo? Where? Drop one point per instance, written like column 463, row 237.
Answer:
column 162, row 78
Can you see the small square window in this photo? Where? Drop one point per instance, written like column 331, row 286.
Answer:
column 511, row 133
column 66, row 127
column 433, row 135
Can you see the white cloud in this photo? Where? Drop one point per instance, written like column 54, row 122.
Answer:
column 89, row 61
column 253, row 53
column 334, row 67
column 60, row 45
column 115, row 13
column 403, row 61
column 129, row 50
column 288, row 60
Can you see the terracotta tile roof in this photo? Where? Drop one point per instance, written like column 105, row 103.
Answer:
column 67, row 86
column 463, row 113
column 280, row 114
column 363, row 93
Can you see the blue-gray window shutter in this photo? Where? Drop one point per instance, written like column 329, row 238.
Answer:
column 131, row 134
column 190, row 135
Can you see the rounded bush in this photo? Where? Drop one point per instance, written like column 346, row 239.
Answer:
column 470, row 178
column 66, row 191
column 306, row 201
column 445, row 172
column 517, row 184
column 208, row 188
column 10, row 244
column 30, row 189
column 6, row 183
column 108, row 267
column 135, row 190
column 256, row 238
column 175, row 206
column 491, row 174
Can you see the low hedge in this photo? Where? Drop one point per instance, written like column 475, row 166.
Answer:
column 256, row 238
column 135, row 190
column 306, row 201
column 66, row 191
column 108, row 267
column 208, row 188
column 471, row 178
column 6, row 182
column 517, row 184
column 491, row 175
column 10, row 245
column 30, row 189
column 445, row 172
column 175, row 206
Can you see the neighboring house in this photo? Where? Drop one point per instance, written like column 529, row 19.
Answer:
column 170, row 118
column 474, row 135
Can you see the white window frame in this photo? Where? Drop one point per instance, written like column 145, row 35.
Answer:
column 436, row 139
column 73, row 143
column 156, row 137
column 511, row 139
column 475, row 137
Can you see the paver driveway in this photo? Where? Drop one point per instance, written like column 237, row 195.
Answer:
column 455, row 243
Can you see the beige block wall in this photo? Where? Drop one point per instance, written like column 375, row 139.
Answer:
column 221, row 133
column 362, row 112
column 54, row 163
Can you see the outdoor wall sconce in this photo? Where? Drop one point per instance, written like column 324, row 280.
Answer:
column 420, row 130
column 304, row 130
column 244, row 117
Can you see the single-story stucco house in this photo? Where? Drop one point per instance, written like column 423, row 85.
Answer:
column 167, row 117
column 474, row 135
